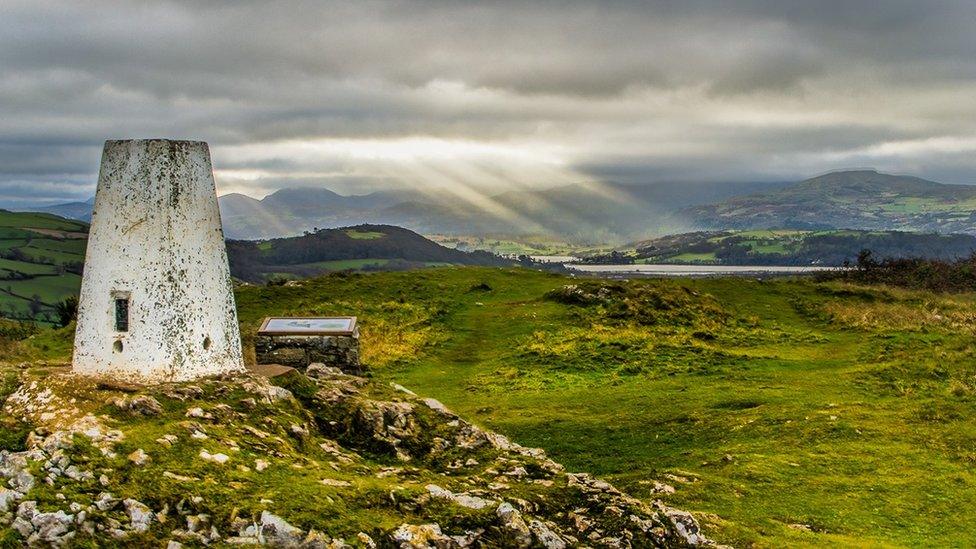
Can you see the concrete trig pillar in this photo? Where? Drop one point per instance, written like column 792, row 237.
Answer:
column 157, row 303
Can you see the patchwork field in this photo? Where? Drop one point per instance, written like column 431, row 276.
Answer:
column 783, row 412
column 41, row 256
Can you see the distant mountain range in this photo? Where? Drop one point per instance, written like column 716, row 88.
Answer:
column 611, row 213
column 578, row 212
column 863, row 199
column 585, row 214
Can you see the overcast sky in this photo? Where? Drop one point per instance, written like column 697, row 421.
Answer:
column 362, row 95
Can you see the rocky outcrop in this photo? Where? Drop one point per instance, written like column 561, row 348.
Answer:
column 370, row 450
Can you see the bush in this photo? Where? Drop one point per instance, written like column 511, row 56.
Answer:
column 917, row 273
column 67, row 311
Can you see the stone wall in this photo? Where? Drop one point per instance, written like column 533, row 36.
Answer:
column 298, row 351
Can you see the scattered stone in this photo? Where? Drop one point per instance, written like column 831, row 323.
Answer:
column 436, row 406
column 144, row 405
column 335, row 483
column 7, row 499
column 167, row 440
column 366, row 540
column 321, row 371
column 278, row 532
column 198, row 413
column 260, row 465
column 464, row 500
column 409, row 536
column 140, row 517
column 51, row 528
column 661, row 488
column 403, row 389
column 198, row 523
column 139, row 457
column 513, row 525
column 214, row 458
column 180, row 478
column 545, row 536
column 105, row 501
column 685, row 526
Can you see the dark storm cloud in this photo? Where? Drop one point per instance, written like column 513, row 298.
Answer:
column 723, row 90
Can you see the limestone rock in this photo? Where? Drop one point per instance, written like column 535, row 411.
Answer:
column 217, row 458
column 279, row 533
column 464, row 500
column 140, row 517
column 51, row 528
column 514, row 525
column 545, row 536
column 139, row 457
column 409, row 536
column 7, row 499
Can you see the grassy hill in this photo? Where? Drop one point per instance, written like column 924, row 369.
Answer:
column 41, row 258
column 362, row 247
column 784, row 413
column 792, row 247
column 848, row 200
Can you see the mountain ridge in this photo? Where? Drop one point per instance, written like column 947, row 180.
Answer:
column 859, row 199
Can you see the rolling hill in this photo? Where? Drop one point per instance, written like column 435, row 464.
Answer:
column 792, row 247
column 362, row 247
column 862, row 199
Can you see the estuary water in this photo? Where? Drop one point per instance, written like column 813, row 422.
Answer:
column 696, row 270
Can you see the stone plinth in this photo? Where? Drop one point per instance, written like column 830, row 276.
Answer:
column 277, row 343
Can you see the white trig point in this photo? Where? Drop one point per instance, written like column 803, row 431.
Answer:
column 157, row 302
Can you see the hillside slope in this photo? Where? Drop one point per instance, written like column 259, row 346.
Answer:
column 41, row 258
column 363, row 247
column 792, row 247
column 335, row 462
column 861, row 199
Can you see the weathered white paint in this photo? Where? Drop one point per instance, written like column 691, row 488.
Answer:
column 156, row 237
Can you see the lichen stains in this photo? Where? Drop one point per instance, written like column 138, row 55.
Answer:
column 176, row 263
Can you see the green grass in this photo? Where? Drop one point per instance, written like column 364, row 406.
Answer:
column 845, row 409
column 364, row 235
column 38, row 253
column 17, row 220
column 75, row 246
column 26, row 268
column 862, row 432
column 51, row 289
column 708, row 257
column 345, row 264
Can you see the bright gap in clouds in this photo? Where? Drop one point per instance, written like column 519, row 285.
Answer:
column 417, row 163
